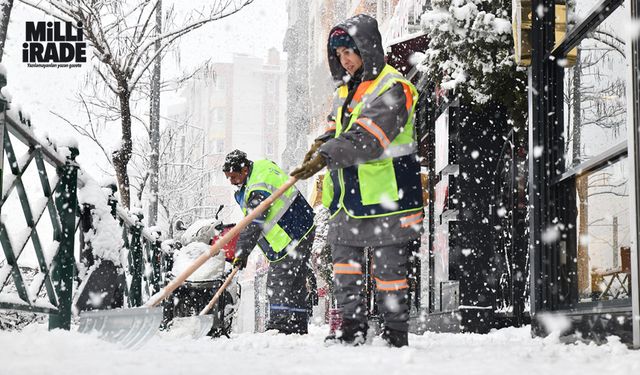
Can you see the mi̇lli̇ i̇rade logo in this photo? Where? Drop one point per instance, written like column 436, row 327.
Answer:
column 54, row 45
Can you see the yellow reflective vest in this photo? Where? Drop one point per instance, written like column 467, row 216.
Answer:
column 389, row 184
column 290, row 217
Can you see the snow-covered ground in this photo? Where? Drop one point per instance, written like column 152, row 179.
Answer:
column 507, row 351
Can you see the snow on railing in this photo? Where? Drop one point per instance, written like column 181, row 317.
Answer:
column 39, row 206
column 20, row 127
column 5, row 271
column 17, row 240
column 131, row 219
column 50, row 253
column 36, row 285
column 7, row 182
column 107, row 239
column 14, row 299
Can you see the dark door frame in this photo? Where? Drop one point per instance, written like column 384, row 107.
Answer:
column 634, row 148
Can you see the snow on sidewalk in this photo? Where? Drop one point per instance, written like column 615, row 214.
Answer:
column 511, row 351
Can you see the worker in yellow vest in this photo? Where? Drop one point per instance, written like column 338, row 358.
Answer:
column 372, row 187
column 284, row 233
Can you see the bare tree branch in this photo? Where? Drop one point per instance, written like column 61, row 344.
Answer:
column 122, row 38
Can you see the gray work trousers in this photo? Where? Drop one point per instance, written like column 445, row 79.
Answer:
column 287, row 290
column 390, row 268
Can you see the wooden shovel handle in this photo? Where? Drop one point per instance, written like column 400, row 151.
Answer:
column 216, row 297
column 215, row 248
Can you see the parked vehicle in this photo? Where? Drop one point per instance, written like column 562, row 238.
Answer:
column 190, row 298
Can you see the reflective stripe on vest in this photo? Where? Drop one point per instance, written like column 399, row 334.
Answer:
column 371, row 189
column 274, row 240
column 374, row 129
column 347, row 269
column 398, row 151
column 391, row 285
column 338, row 99
column 288, row 200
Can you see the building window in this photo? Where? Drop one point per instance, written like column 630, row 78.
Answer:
column 271, row 86
column 219, row 83
column 602, row 225
column 386, row 9
column 595, row 104
column 271, row 116
column 217, row 115
column 581, row 162
column 269, row 148
column 217, row 146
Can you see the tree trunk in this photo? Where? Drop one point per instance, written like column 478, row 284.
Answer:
column 123, row 155
column 5, row 14
column 582, row 189
column 154, row 125
column 615, row 245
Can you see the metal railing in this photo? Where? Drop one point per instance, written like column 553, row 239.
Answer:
column 52, row 289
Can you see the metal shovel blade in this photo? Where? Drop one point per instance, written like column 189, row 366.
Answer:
column 128, row 327
column 193, row 326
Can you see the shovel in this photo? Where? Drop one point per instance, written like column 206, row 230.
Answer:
column 134, row 326
column 198, row 326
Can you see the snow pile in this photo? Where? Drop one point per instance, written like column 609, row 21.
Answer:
column 6, row 94
column 511, row 350
column 555, row 324
column 106, row 236
column 202, row 230
column 210, row 270
column 168, row 246
column 470, row 48
column 63, row 139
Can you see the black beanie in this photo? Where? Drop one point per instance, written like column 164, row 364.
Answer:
column 235, row 161
column 340, row 38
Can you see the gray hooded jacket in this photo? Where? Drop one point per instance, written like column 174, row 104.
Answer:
column 357, row 145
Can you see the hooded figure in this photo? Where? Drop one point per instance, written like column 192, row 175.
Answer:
column 363, row 30
column 372, row 187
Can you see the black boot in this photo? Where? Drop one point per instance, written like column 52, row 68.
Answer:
column 395, row 338
column 352, row 333
column 299, row 327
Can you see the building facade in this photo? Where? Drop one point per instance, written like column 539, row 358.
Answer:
column 235, row 105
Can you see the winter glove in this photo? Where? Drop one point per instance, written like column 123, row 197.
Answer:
column 309, row 168
column 240, row 262
column 312, row 151
column 241, row 258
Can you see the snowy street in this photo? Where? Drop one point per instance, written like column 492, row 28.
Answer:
column 232, row 179
column 509, row 351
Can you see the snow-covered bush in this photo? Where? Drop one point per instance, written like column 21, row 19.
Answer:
column 106, row 235
column 471, row 52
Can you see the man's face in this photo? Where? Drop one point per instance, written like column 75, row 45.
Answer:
column 237, row 178
column 349, row 60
